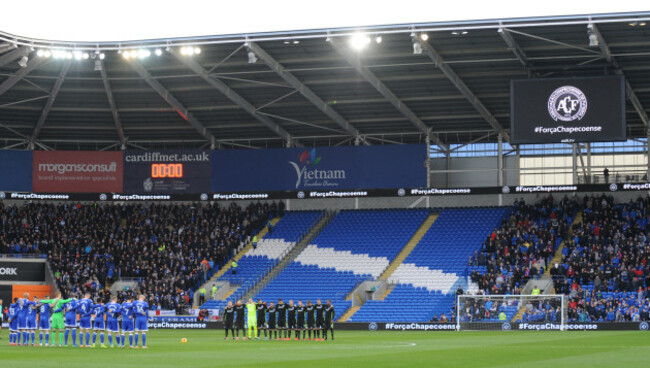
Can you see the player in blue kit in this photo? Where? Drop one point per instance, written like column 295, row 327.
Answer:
column 23, row 307
column 140, row 309
column 70, row 309
column 44, row 308
column 127, row 321
column 14, row 335
column 99, row 324
column 85, row 309
column 112, row 324
column 32, row 314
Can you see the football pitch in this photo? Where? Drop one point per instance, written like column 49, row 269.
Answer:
column 207, row 348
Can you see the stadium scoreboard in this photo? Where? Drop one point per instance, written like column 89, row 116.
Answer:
column 167, row 172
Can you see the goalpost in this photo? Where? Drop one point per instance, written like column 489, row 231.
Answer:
column 506, row 312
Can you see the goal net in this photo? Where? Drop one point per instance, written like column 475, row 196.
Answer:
column 510, row 312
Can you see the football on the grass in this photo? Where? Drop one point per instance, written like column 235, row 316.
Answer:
column 184, row 340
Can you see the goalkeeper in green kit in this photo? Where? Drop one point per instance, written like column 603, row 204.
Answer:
column 251, row 318
column 57, row 317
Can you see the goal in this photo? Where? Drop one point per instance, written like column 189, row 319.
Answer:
column 510, row 312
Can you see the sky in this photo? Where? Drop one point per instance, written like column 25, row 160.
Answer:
column 127, row 20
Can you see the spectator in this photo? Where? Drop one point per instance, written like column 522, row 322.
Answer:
column 233, row 267
column 254, row 242
column 606, row 175
column 203, row 314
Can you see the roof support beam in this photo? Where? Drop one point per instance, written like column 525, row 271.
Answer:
column 607, row 54
column 437, row 59
column 20, row 74
column 233, row 96
column 280, row 70
column 173, row 102
column 112, row 104
column 355, row 61
column 13, row 55
column 514, row 47
column 50, row 100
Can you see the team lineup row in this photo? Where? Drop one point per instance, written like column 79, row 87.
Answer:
column 279, row 319
column 58, row 314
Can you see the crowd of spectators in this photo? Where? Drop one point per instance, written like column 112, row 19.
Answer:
column 604, row 270
column 604, row 265
column 523, row 246
column 170, row 249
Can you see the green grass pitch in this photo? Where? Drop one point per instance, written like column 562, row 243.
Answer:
column 355, row 349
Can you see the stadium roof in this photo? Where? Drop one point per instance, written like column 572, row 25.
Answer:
column 309, row 88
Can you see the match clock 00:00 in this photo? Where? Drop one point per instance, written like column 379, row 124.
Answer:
column 164, row 171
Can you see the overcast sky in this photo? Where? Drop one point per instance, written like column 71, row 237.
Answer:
column 122, row 20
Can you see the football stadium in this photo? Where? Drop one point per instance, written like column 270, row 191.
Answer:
column 361, row 184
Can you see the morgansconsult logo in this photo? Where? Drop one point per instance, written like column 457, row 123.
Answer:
column 372, row 326
column 506, row 326
column 309, row 175
column 567, row 103
column 643, row 326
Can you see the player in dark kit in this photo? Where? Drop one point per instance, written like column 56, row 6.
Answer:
column 282, row 317
column 320, row 314
column 329, row 319
column 300, row 311
column 228, row 319
column 311, row 320
column 291, row 318
column 272, row 318
column 261, row 319
column 240, row 312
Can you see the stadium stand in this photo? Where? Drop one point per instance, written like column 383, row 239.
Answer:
column 604, row 267
column 523, row 246
column 255, row 264
column 169, row 249
column 356, row 246
column 432, row 271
